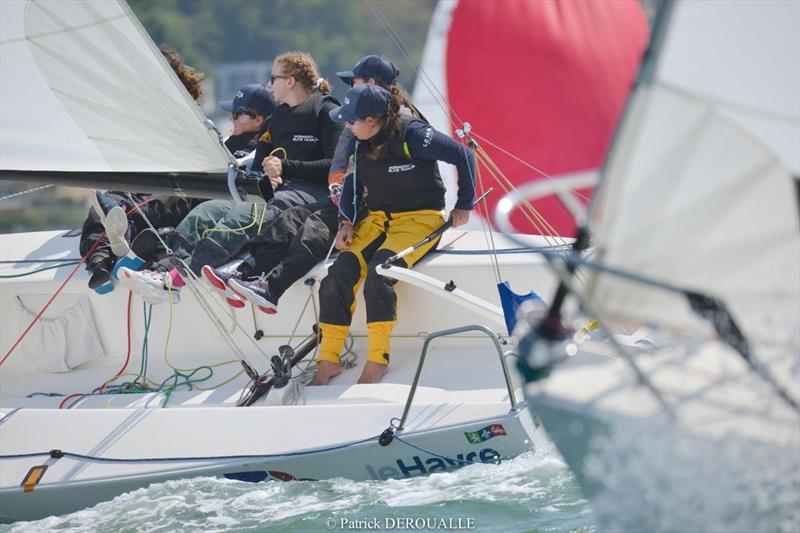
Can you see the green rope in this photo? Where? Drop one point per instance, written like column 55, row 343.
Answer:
column 8, row 276
column 186, row 381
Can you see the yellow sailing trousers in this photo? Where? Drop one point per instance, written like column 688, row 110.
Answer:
column 377, row 237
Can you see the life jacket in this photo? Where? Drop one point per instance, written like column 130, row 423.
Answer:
column 397, row 182
column 296, row 129
column 242, row 144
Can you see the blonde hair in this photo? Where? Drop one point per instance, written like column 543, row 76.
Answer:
column 303, row 68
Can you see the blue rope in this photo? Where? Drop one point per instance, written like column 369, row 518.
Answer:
column 97, row 459
column 446, row 458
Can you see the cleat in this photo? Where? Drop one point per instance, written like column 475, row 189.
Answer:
column 257, row 292
column 218, row 281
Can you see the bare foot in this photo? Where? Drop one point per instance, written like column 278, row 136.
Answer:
column 372, row 373
column 325, row 372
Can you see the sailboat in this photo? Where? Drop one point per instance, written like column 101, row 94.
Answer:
column 693, row 232
column 102, row 395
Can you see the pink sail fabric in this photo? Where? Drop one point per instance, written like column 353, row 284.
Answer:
column 546, row 81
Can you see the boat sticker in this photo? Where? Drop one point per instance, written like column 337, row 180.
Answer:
column 494, row 430
column 257, row 476
column 419, row 465
column 32, row 478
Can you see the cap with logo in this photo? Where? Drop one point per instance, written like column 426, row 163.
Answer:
column 365, row 100
column 377, row 67
column 255, row 96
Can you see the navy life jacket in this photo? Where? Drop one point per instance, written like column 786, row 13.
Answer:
column 397, row 182
column 297, row 129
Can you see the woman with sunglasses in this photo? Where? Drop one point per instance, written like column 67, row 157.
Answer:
column 250, row 110
column 295, row 148
column 396, row 158
column 302, row 236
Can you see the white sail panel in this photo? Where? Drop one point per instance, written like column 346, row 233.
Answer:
column 430, row 89
column 83, row 88
column 700, row 191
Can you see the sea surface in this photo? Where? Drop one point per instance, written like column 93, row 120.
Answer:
column 533, row 492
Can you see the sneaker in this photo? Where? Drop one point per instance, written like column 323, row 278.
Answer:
column 218, row 281
column 102, row 204
column 130, row 261
column 256, row 291
column 116, row 224
column 101, row 281
column 151, row 286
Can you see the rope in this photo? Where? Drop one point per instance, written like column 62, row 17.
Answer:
column 97, row 459
column 128, row 355
column 446, row 458
column 52, row 298
column 25, row 192
column 60, row 265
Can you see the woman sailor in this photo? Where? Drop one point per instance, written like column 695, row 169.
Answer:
column 395, row 159
column 294, row 149
column 301, row 236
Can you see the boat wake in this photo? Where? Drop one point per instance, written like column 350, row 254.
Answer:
column 532, row 491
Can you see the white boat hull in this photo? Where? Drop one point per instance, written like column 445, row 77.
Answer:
column 293, row 433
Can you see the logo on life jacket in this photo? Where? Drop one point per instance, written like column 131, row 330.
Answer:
column 299, row 138
column 401, row 168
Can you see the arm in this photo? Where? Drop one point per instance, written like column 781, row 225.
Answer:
column 263, row 147
column 317, row 171
column 352, row 193
column 426, row 143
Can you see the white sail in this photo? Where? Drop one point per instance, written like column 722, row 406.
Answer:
column 83, row 88
column 700, row 190
column 430, row 89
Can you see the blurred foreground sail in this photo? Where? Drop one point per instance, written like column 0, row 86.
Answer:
column 688, row 419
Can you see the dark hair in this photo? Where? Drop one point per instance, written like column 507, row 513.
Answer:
column 303, row 68
column 191, row 79
column 398, row 98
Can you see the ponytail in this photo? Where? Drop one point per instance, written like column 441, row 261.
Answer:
column 322, row 86
column 392, row 126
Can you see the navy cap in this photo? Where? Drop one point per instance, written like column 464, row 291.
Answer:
column 361, row 101
column 376, row 67
column 255, row 96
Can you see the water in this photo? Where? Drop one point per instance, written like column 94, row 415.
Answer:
column 533, row 492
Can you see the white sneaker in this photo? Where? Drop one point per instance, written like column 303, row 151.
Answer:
column 150, row 286
column 116, row 224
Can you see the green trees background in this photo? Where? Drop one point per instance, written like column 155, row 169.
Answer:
column 209, row 32
column 335, row 32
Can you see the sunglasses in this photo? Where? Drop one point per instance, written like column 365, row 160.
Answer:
column 274, row 77
column 251, row 114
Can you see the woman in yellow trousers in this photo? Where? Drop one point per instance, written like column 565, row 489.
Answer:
column 395, row 161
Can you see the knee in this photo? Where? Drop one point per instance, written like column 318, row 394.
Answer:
column 375, row 281
column 344, row 272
